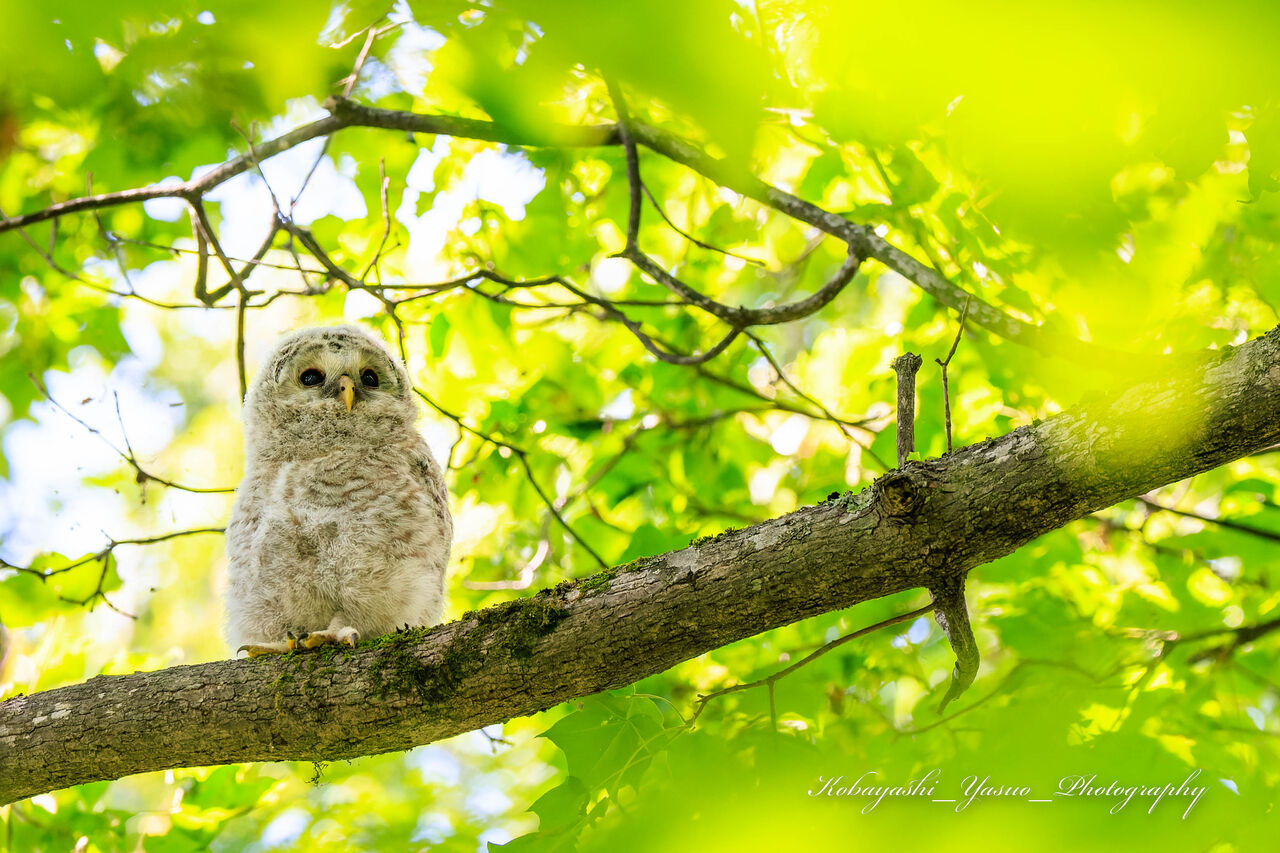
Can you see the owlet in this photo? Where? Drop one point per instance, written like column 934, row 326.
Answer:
column 341, row 526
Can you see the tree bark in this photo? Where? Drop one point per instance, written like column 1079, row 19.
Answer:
column 914, row 528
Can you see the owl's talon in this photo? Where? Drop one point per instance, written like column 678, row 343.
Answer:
column 259, row 649
column 346, row 636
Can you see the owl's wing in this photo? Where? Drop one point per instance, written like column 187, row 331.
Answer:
column 426, row 472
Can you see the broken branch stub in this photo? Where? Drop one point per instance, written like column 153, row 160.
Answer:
column 906, row 366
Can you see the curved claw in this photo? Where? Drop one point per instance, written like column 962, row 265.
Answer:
column 346, row 636
column 258, row 649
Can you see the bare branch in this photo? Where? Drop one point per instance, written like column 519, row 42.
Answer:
column 208, row 238
column 862, row 240
column 1225, row 523
column 384, row 184
column 349, row 83
column 241, row 303
column 143, row 476
column 743, row 317
column 692, row 239
column 944, row 363
column 634, row 184
column 112, row 544
column 104, row 558
column 770, row 680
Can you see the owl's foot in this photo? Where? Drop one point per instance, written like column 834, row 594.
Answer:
column 259, row 649
column 346, row 636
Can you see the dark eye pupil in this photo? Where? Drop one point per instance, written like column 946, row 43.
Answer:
column 311, row 376
column 369, row 379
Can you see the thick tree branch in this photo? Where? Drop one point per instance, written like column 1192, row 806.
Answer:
column 916, row 528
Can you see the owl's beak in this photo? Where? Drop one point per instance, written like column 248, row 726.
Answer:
column 347, row 391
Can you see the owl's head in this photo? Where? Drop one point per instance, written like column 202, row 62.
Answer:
column 327, row 388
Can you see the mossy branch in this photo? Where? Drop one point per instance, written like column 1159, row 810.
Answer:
column 914, row 529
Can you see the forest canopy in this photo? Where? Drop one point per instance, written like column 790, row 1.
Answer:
column 650, row 265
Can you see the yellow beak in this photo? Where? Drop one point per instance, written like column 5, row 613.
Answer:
column 347, row 391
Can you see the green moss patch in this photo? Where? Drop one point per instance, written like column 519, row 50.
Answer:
column 515, row 626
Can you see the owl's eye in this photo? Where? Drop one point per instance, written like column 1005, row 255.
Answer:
column 368, row 378
column 311, row 376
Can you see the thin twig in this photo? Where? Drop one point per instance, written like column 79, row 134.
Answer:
column 384, row 184
column 633, row 165
column 349, row 84
column 519, row 453
column 209, row 237
column 143, row 476
column 1218, row 522
column 111, row 545
column 783, row 406
column 104, row 557
column 241, row 304
column 692, row 239
column 806, row 660
column 841, row 423
column 257, row 167
column 946, row 393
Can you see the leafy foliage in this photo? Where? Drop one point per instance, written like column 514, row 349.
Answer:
column 1113, row 175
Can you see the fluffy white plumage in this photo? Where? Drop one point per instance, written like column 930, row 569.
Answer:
column 341, row 526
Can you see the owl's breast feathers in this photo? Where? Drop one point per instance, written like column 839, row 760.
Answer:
column 347, row 512
column 371, row 486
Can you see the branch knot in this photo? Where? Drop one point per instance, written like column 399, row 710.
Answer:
column 901, row 494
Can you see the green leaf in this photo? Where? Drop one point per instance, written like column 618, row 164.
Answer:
column 439, row 334
column 26, row 599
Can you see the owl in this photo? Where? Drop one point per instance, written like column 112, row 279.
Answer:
column 341, row 526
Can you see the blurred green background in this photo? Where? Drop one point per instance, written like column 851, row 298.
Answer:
column 1108, row 172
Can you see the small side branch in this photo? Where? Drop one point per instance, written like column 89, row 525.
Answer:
column 701, row 244
column 105, row 558
column 1237, row 637
column 1225, row 523
column 738, row 317
column 142, row 475
column 953, row 617
column 770, row 680
column 743, row 317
